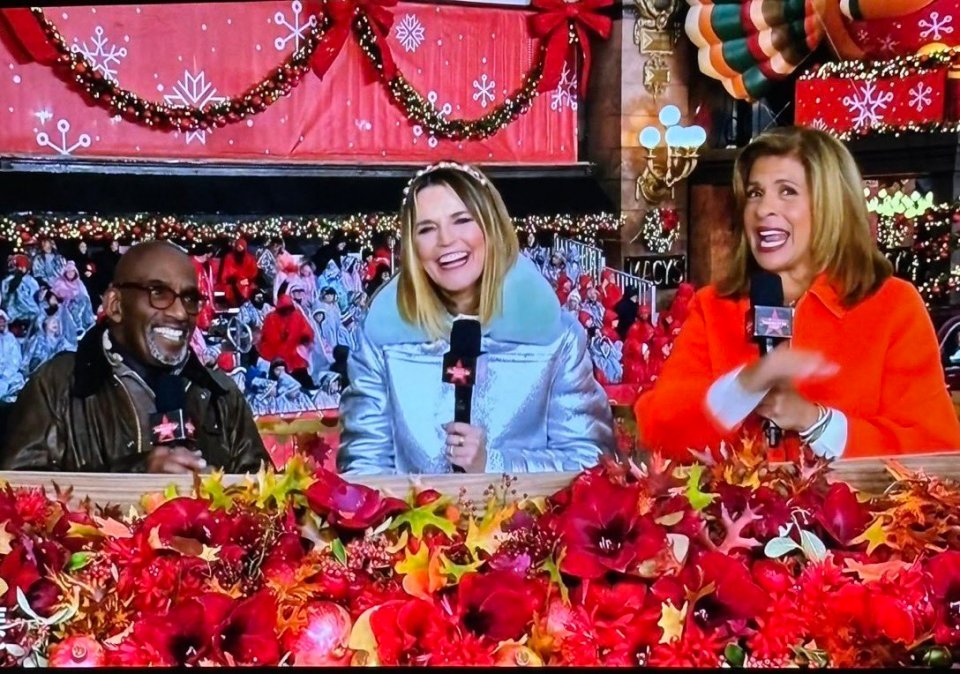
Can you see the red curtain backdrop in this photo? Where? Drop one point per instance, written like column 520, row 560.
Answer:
column 466, row 59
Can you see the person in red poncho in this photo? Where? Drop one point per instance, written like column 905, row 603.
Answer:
column 287, row 335
column 238, row 274
column 861, row 375
column 208, row 268
column 610, row 292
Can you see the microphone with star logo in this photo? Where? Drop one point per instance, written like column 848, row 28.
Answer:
column 460, row 368
column 772, row 323
column 170, row 425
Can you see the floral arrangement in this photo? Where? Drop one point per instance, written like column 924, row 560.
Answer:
column 660, row 229
column 730, row 562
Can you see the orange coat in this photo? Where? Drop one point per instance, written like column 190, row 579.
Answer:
column 890, row 386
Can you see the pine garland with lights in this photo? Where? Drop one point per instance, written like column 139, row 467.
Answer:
column 22, row 228
column 901, row 66
column 106, row 92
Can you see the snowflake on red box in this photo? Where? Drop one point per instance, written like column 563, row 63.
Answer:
column 867, row 103
column 936, row 27
column 920, row 96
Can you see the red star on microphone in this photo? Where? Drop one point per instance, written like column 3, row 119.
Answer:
column 458, row 373
column 165, row 430
column 774, row 324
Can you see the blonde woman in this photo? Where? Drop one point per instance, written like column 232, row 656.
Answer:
column 536, row 405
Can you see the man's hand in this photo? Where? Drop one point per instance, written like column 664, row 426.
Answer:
column 466, row 446
column 174, row 459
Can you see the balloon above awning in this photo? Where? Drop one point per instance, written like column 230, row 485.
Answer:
column 750, row 44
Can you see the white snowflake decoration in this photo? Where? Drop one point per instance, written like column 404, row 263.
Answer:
column 363, row 125
column 935, row 26
column 867, row 104
column 194, row 90
column 920, row 96
column 565, row 95
column 819, row 124
column 483, row 90
column 64, row 148
column 443, row 111
column 295, row 31
column 103, row 55
column 888, row 44
column 43, row 116
column 410, row 33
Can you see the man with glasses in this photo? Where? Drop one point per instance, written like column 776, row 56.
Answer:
column 91, row 410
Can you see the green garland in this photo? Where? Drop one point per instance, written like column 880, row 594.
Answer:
column 362, row 228
column 280, row 81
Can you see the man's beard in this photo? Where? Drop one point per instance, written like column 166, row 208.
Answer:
column 163, row 357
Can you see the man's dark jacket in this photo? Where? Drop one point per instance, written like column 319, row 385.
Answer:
column 75, row 415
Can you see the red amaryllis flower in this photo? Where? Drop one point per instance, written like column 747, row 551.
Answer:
column 603, row 532
column 182, row 637
column 842, row 516
column 497, row 605
column 211, row 626
column 190, row 518
column 248, row 635
column 944, row 570
column 24, row 568
column 405, row 630
column 735, row 595
column 351, row 507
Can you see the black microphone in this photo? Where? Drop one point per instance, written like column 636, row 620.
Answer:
column 460, row 368
column 772, row 324
column 170, row 425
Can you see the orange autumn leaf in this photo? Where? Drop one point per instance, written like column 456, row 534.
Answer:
column 487, row 534
column 423, row 572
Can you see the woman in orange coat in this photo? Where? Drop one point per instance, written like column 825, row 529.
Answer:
column 862, row 374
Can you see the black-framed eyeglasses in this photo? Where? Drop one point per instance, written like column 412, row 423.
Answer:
column 162, row 297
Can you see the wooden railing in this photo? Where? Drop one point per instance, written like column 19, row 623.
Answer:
column 869, row 475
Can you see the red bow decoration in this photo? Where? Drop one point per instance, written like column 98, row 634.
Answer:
column 24, row 30
column 342, row 14
column 551, row 26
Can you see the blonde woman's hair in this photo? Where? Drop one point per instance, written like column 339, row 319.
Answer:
column 420, row 301
column 842, row 245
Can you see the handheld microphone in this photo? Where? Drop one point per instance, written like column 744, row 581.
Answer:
column 170, row 425
column 772, row 324
column 460, row 368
